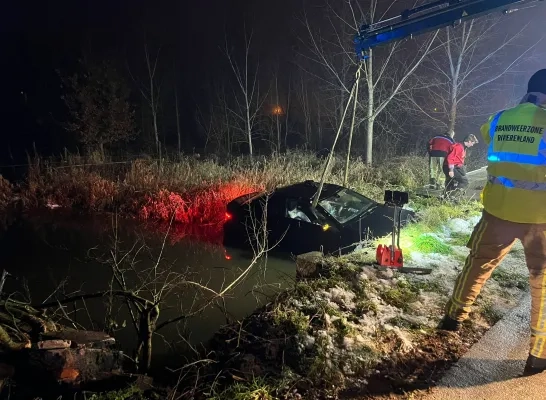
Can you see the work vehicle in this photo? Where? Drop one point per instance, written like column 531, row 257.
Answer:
column 342, row 219
column 429, row 17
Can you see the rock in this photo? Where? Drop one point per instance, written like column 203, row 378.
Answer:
column 52, row 363
column 459, row 225
column 53, row 344
column 387, row 273
column 342, row 297
column 348, row 342
column 90, row 339
column 250, row 366
column 88, row 362
column 309, row 265
column 308, row 341
column 363, row 277
column 419, row 320
column 367, row 273
column 327, row 320
column 405, row 342
column 68, row 375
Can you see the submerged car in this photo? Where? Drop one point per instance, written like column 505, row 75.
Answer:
column 341, row 220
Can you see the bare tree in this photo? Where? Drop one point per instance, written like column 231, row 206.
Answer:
column 217, row 122
column 318, row 125
column 150, row 92
column 305, row 107
column 277, row 111
column 385, row 70
column 276, row 117
column 287, row 113
column 248, row 100
column 475, row 54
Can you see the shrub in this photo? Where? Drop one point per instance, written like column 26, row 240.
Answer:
column 203, row 206
column 6, row 193
column 197, row 191
column 428, row 243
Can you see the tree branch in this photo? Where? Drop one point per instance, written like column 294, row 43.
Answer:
column 72, row 299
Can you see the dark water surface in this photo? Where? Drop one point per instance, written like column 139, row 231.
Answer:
column 43, row 251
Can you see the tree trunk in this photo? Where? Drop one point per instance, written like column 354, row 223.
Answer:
column 370, row 113
column 305, row 107
column 148, row 322
column 454, row 96
column 278, row 135
column 286, row 116
column 319, row 126
column 369, row 140
column 455, row 72
column 277, row 114
column 142, row 333
column 370, row 117
column 154, row 116
column 453, row 114
column 156, row 134
column 249, row 132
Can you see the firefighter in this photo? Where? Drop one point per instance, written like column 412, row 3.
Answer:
column 454, row 168
column 514, row 201
column 438, row 147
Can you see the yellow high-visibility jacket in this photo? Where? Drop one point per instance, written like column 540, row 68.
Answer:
column 516, row 187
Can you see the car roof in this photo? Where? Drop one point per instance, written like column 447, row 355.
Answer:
column 307, row 190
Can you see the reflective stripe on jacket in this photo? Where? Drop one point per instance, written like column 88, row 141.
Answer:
column 516, row 186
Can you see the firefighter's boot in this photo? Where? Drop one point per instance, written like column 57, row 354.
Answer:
column 449, row 324
column 534, row 365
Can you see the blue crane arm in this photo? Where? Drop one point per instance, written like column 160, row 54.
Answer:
column 426, row 18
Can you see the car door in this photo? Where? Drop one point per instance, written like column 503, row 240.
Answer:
column 306, row 230
column 283, row 230
column 277, row 224
column 323, row 234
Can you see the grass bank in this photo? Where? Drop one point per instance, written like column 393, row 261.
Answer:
column 353, row 331
column 194, row 190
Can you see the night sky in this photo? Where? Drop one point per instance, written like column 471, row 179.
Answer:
column 39, row 38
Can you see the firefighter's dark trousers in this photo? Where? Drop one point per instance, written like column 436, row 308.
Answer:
column 459, row 178
column 435, row 165
column 490, row 242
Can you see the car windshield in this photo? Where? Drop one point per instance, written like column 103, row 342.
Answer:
column 345, row 205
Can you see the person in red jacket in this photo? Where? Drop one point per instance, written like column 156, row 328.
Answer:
column 454, row 168
column 438, row 147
